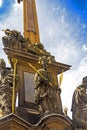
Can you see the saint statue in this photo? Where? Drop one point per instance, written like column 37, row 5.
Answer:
column 79, row 106
column 47, row 95
column 14, row 39
column 6, row 81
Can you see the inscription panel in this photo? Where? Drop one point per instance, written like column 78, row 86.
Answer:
column 30, row 16
column 29, row 86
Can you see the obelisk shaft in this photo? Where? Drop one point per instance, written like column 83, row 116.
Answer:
column 31, row 29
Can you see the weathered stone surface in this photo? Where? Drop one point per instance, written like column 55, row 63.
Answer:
column 79, row 106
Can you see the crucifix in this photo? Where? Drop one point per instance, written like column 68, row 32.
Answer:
column 31, row 29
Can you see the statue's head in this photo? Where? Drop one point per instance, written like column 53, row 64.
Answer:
column 44, row 61
column 84, row 81
column 2, row 64
column 6, row 31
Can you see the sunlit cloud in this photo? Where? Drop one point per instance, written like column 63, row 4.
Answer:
column 84, row 47
column 1, row 3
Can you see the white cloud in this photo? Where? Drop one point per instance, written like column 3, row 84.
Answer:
column 55, row 9
column 84, row 47
column 1, row 3
column 59, row 38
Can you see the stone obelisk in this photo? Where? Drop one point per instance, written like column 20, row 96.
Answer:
column 31, row 29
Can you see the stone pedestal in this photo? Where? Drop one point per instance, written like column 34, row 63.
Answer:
column 49, row 122
column 13, row 122
column 55, row 122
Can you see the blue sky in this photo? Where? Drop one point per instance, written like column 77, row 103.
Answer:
column 63, row 31
column 5, row 7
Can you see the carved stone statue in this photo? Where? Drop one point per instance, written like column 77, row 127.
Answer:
column 14, row 39
column 6, row 81
column 79, row 106
column 47, row 96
